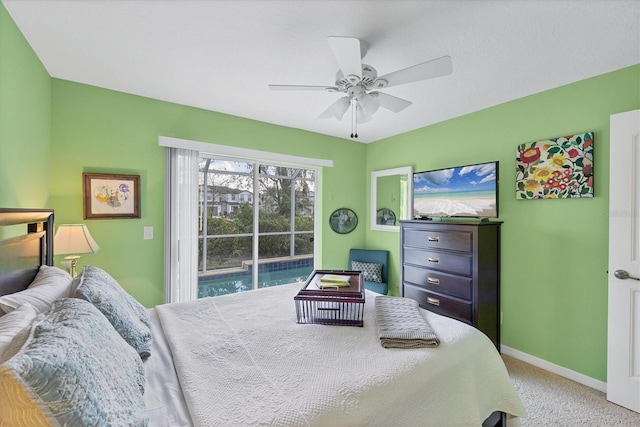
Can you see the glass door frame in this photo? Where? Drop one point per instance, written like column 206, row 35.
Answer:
column 256, row 163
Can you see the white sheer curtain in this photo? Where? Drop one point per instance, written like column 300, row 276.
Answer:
column 181, row 229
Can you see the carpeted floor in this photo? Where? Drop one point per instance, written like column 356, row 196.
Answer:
column 552, row 400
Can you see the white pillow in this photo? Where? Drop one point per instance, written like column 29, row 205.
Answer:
column 14, row 322
column 49, row 284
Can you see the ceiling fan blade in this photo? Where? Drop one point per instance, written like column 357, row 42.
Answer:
column 337, row 109
column 348, row 54
column 392, row 103
column 427, row 70
column 303, row 87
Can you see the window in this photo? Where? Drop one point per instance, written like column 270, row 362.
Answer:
column 274, row 231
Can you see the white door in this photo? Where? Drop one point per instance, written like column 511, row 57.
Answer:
column 623, row 347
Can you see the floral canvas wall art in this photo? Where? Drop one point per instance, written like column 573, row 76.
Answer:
column 555, row 168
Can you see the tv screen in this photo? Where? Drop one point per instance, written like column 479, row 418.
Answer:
column 461, row 191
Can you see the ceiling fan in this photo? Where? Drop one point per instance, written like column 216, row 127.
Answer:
column 360, row 82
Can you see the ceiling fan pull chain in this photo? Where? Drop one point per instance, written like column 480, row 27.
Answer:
column 354, row 117
column 355, row 127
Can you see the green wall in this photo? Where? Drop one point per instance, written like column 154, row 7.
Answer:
column 25, row 120
column 554, row 258
column 554, row 252
column 98, row 130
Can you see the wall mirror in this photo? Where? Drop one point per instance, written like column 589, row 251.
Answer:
column 390, row 198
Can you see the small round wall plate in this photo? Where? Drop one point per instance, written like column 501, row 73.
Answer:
column 343, row 220
column 385, row 216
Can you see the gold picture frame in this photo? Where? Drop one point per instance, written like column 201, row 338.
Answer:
column 110, row 196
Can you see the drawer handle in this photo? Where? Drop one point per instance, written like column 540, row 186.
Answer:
column 433, row 259
column 433, row 280
column 433, row 239
column 433, row 301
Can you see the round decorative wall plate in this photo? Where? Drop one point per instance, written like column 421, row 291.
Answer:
column 385, row 216
column 343, row 220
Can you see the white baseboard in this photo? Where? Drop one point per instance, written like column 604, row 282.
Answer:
column 556, row 369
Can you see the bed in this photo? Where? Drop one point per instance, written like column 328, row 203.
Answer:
column 239, row 359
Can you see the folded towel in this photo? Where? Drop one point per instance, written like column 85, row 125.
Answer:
column 401, row 325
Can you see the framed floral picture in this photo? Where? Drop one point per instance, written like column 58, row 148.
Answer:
column 555, row 168
column 110, row 196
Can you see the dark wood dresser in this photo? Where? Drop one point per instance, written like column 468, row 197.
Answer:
column 453, row 269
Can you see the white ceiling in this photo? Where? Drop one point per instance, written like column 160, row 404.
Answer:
column 221, row 55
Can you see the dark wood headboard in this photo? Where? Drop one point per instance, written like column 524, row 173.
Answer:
column 26, row 243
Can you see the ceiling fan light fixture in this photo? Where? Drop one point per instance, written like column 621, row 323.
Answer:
column 340, row 107
column 337, row 109
column 369, row 104
column 363, row 118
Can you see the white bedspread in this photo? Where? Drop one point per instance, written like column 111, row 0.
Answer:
column 243, row 360
column 162, row 393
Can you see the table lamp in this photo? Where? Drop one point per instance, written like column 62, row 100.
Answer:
column 74, row 239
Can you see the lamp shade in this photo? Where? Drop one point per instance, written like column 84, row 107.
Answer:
column 74, row 239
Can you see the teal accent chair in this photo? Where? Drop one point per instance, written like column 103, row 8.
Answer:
column 373, row 256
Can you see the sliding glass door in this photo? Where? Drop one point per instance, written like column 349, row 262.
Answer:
column 285, row 224
column 256, row 225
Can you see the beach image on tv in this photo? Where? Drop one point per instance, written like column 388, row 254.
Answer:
column 469, row 191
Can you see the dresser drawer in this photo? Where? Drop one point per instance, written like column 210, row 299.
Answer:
column 439, row 304
column 437, row 239
column 442, row 261
column 458, row 286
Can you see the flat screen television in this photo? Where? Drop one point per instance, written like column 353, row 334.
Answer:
column 460, row 191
